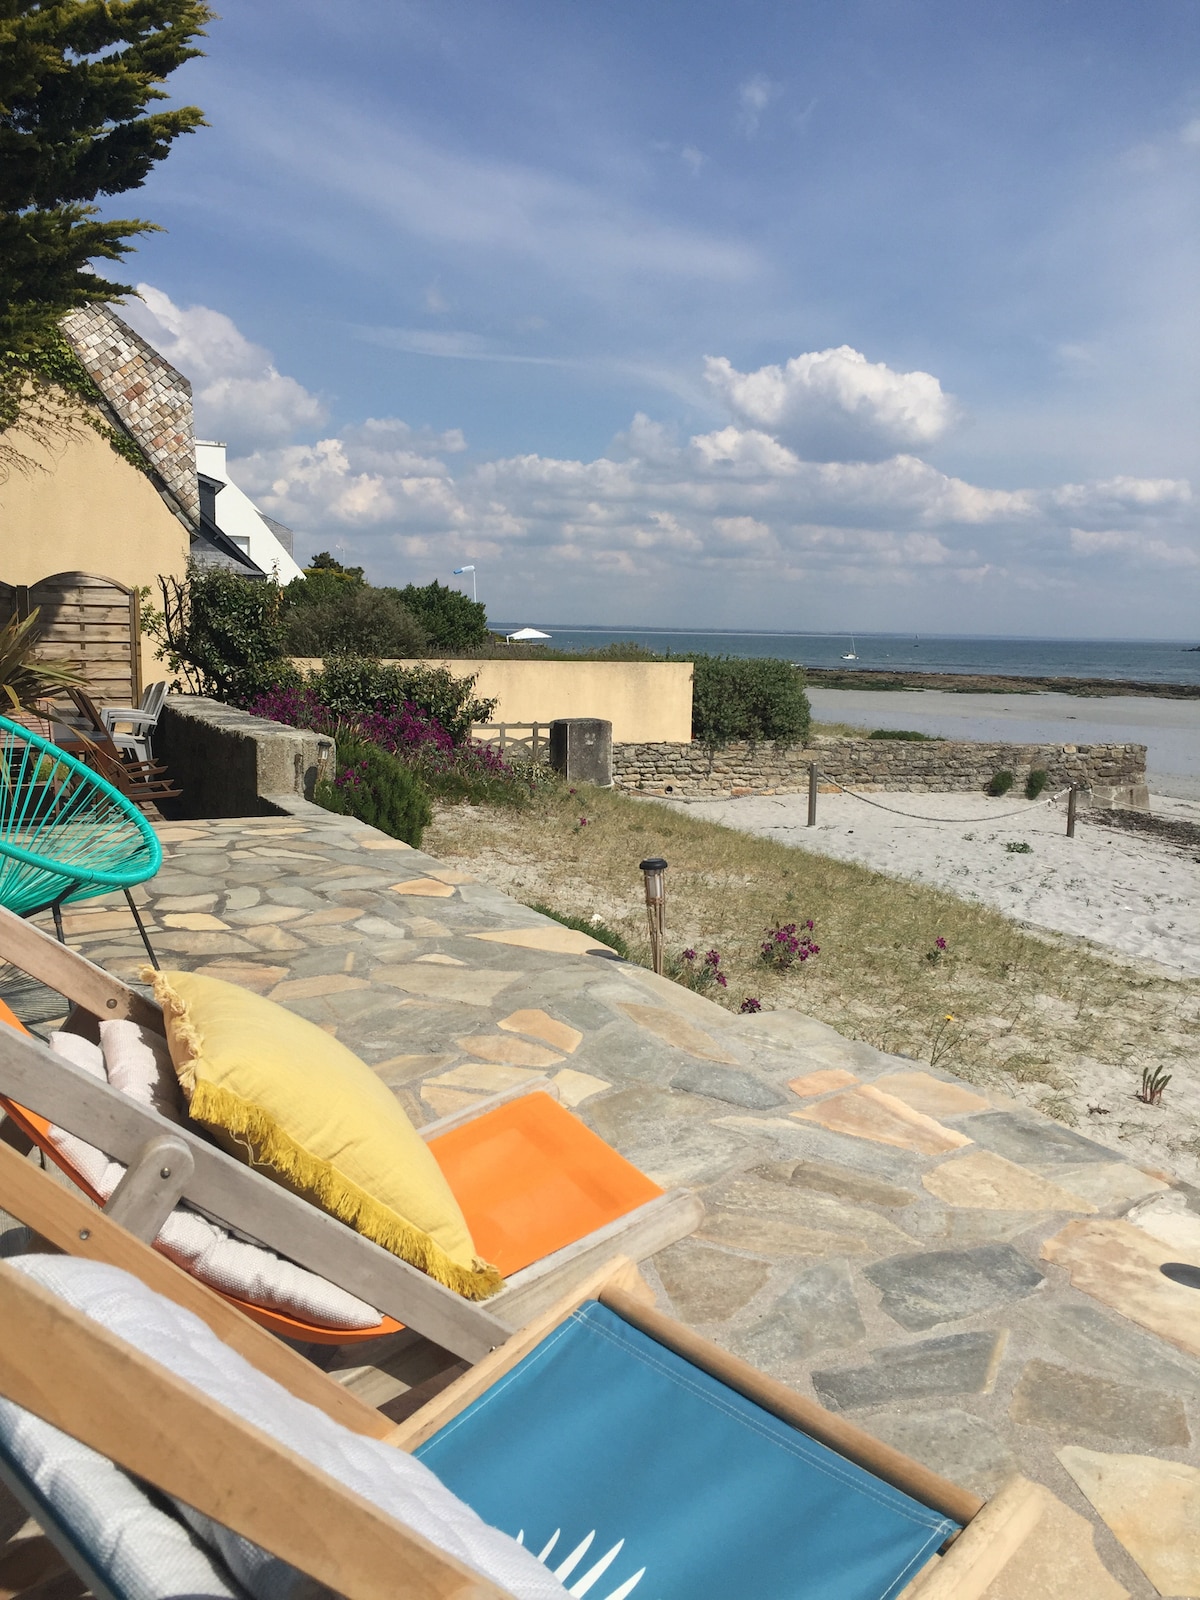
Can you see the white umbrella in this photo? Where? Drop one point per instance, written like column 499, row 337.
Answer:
column 524, row 635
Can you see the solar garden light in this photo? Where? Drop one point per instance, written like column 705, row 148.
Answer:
column 653, row 871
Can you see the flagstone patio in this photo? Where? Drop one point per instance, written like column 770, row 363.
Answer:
column 971, row 1281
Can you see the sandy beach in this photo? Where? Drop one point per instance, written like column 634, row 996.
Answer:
column 1170, row 729
column 1136, row 895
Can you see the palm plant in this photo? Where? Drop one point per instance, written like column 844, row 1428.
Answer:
column 25, row 677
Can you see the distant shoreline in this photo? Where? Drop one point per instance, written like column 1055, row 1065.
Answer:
column 985, row 683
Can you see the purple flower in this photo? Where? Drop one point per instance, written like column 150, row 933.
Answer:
column 750, row 1004
column 689, row 955
column 940, row 943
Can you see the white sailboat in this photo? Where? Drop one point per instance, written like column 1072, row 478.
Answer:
column 852, row 653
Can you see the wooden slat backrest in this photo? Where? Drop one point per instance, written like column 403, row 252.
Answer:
column 244, row 1200
column 94, row 1386
column 65, row 1220
column 93, row 620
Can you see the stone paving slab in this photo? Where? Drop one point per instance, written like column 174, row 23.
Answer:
column 970, row 1281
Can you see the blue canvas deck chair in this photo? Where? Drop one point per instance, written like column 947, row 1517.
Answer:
column 617, row 1453
column 66, row 834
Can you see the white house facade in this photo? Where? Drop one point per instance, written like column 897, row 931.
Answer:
column 240, row 520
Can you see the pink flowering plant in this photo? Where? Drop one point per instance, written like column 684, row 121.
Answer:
column 788, row 944
column 697, row 972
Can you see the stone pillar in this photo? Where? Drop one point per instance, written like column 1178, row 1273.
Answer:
column 581, row 750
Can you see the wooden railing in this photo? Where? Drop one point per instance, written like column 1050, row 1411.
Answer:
column 523, row 741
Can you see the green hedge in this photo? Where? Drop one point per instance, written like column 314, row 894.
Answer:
column 748, row 697
column 351, row 686
column 378, row 789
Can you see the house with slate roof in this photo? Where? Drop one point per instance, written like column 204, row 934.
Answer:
column 84, row 536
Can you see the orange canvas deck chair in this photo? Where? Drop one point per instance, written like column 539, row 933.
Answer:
column 543, row 1196
column 202, row 1408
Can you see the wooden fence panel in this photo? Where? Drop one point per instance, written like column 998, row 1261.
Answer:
column 88, row 619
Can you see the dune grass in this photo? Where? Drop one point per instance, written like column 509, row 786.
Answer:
column 1025, row 1006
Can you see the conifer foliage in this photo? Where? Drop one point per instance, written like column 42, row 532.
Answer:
column 78, row 81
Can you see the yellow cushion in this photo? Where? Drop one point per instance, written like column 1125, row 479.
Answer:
column 288, row 1099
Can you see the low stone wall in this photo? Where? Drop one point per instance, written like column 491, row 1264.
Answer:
column 1114, row 774
column 229, row 763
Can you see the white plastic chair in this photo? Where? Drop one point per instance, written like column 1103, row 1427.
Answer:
column 141, row 720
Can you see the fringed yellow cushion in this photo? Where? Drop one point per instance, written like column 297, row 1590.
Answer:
column 289, row 1100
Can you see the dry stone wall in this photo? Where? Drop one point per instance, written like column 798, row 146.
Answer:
column 1114, row 774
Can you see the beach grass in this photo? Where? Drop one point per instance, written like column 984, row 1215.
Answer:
column 1027, row 1006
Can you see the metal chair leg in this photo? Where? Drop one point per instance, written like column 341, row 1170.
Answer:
column 141, row 928
column 56, row 910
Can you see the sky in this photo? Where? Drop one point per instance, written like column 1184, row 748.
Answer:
column 844, row 315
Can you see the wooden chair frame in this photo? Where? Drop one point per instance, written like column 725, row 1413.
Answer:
column 168, row 1163
column 96, row 1388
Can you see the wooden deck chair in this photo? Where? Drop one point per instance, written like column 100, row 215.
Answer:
column 545, row 1197
column 801, row 1503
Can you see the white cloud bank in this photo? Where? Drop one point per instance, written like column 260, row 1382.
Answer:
column 747, row 524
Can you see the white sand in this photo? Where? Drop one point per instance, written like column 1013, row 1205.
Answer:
column 1133, row 893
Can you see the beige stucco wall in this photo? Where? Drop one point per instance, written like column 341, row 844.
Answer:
column 88, row 511
column 646, row 701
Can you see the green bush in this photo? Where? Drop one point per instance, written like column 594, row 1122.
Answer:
column 351, row 686
column 221, row 634
column 377, row 788
column 1001, row 783
column 451, row 620
column 354, row 621
column 1036, row 782
column 908, row 734
column 751, row 698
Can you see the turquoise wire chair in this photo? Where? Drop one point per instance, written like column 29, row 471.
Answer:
column 65, row 833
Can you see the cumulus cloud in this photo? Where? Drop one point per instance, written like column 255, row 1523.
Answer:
column 835, row 405
column 239, row 394
column 668, row 527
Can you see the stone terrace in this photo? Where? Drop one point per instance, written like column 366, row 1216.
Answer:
column 972, row 1282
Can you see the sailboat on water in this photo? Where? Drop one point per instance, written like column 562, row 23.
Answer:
column 852, row 653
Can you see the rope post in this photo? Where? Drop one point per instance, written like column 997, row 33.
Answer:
column 1072, row 793
column 653, row 871
column 812, row 794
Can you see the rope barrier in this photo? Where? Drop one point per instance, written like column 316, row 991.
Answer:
column 953, row 822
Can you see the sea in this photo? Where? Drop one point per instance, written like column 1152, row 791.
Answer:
column 1144, row 660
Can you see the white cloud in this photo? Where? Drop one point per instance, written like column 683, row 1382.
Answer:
column 1136, row 546
column 835, row 405
column 754, row 96
column 239, row 394
column 665, row 527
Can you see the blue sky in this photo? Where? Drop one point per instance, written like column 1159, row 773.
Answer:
column 854, row 315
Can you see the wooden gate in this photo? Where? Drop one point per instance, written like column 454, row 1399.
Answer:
column 89, row 620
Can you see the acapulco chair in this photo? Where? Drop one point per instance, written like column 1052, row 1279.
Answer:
column 65, row 833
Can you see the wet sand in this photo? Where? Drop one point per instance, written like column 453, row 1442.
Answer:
column 1170, row 729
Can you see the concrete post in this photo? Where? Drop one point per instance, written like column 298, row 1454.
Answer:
column 581, row 750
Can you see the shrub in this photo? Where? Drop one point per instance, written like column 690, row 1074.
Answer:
column 352, row 686
column 787, row 944
column 752, row 698
column 377, row 788
column 696, row 972
column 357, row 621
column 908, row 734
column 451, row 620
column 1036, row 782
column 1001, row 783
column 594, row 930
column 1019, row 847
column 222, row 634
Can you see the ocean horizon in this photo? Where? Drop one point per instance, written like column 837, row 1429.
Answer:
column 1143, row 660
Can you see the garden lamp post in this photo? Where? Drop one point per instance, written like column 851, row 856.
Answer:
column 458, row 572
column 654, row 872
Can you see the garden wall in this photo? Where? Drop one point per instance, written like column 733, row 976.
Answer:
column 644, row 700
column 229, row 763
column 1114, row 773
